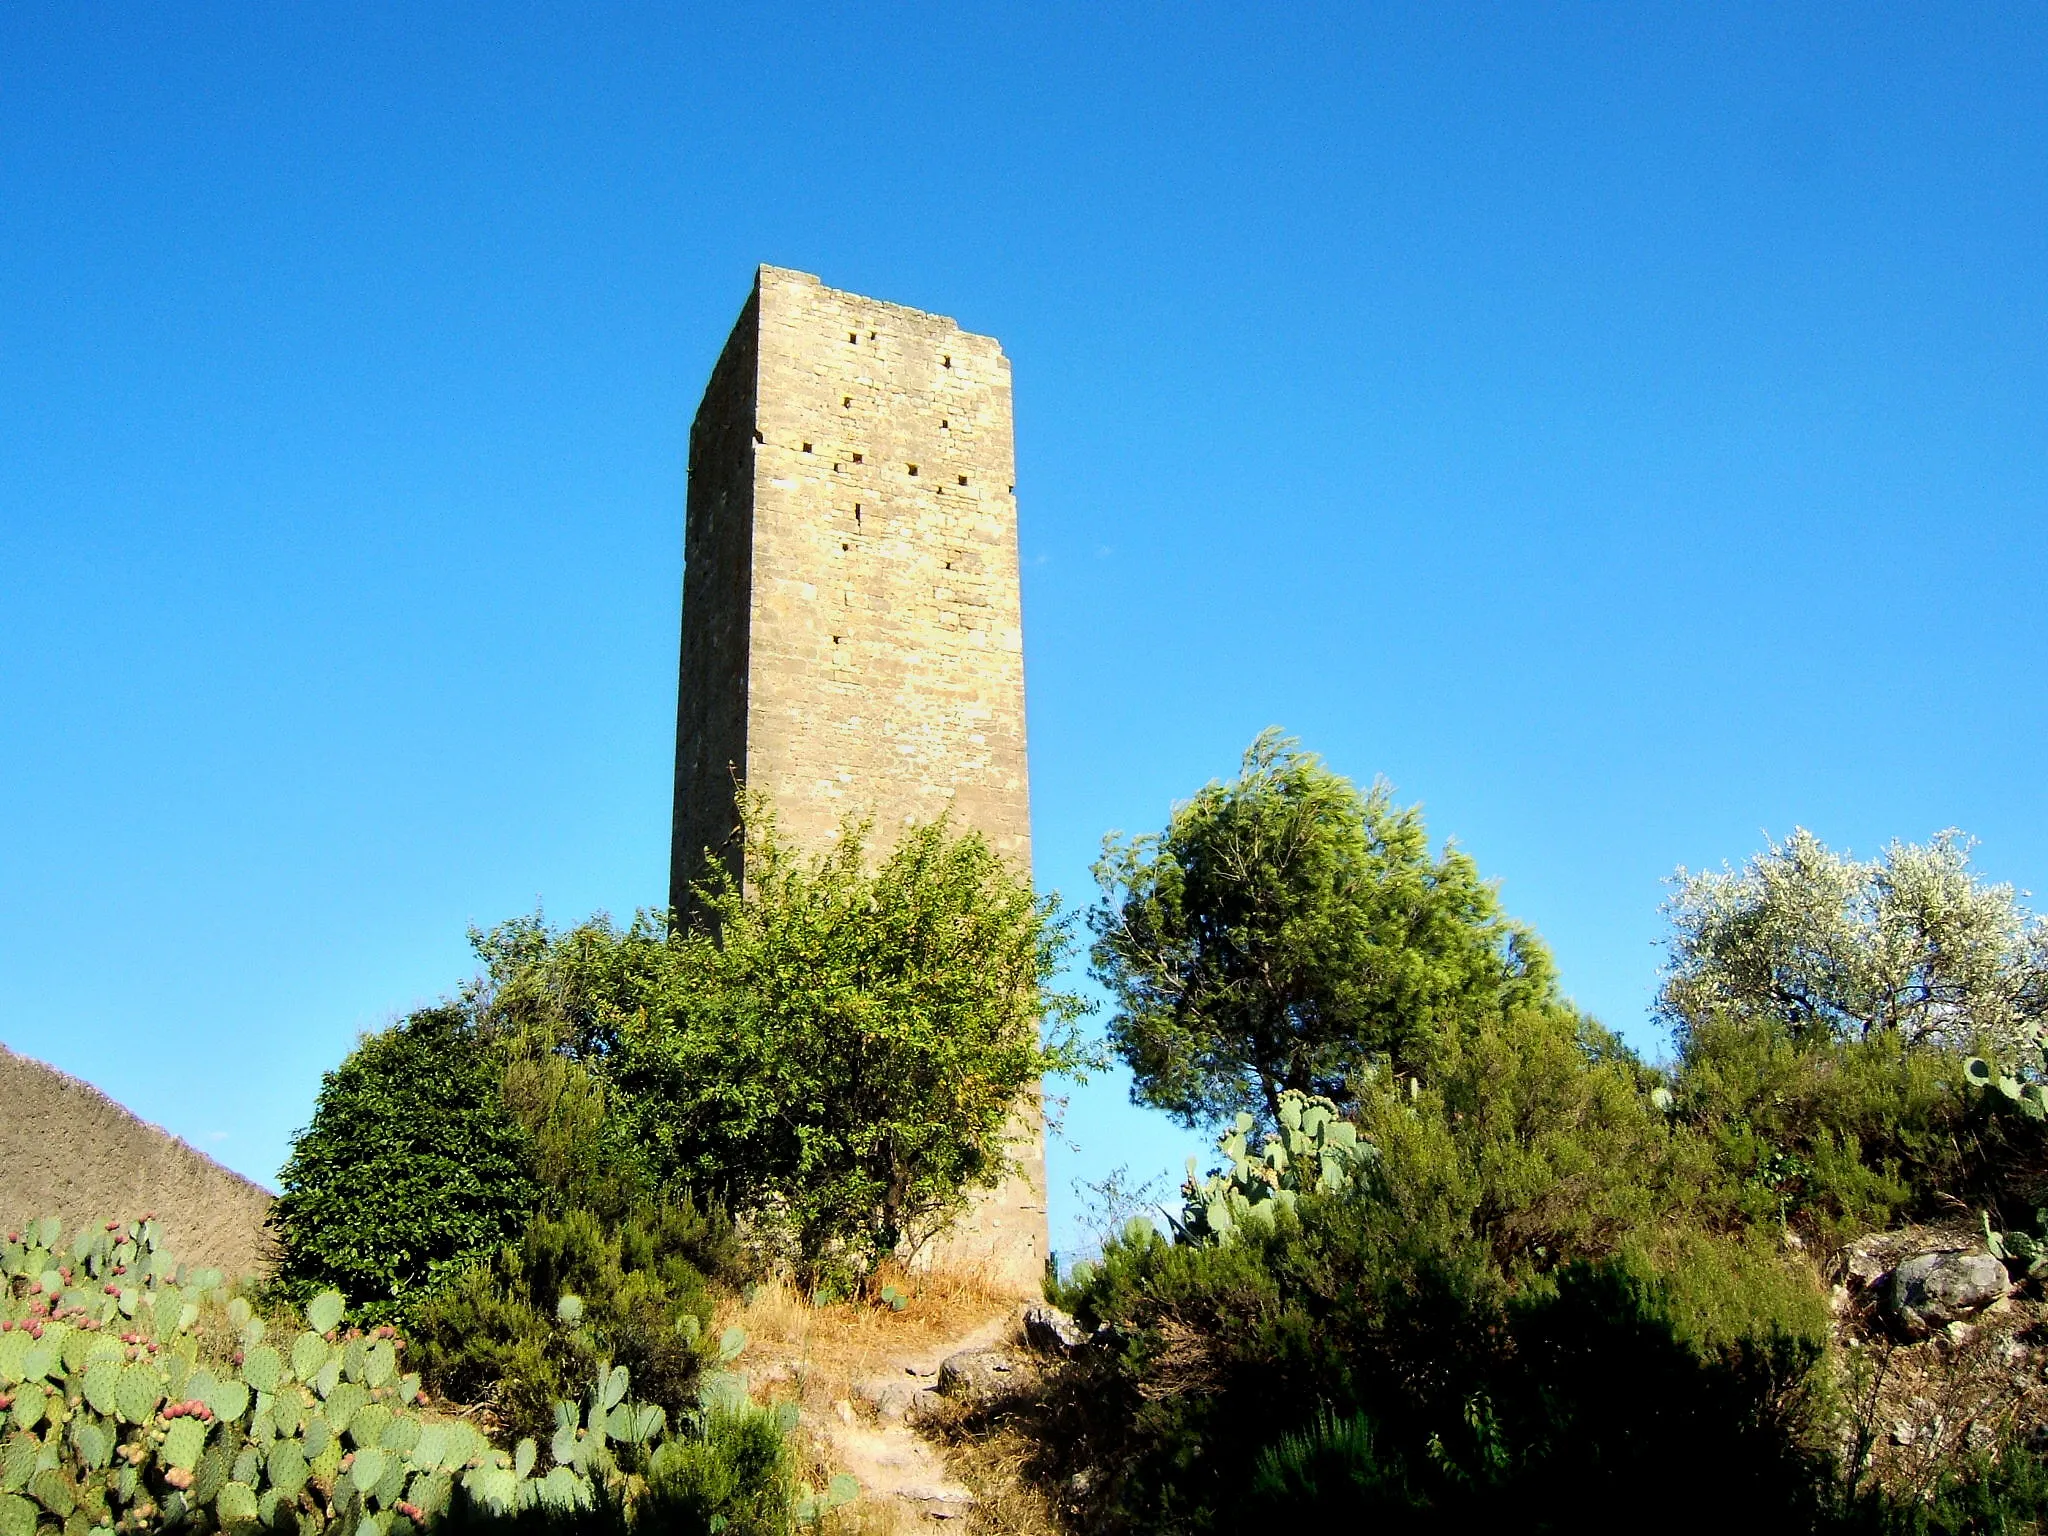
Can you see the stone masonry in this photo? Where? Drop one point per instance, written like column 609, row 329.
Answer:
column 852, row 637
column 67, row 1150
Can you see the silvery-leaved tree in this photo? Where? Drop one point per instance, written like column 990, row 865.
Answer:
column 1821, row 946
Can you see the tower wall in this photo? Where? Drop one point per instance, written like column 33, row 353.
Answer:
column 852, row 632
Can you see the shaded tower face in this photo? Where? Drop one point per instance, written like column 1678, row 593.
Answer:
column 852, row 640
column 852, row 636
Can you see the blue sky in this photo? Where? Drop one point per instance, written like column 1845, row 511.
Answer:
column 1622, row 428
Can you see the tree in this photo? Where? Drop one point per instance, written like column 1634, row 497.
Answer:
column 1815, row 946
column 411, row 1169
column 833, row 1050
column 1286, row 928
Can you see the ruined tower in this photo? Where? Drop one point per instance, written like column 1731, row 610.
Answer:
column 852, row 637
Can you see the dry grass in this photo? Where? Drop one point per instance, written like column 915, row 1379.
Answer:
column 826, row 1349
column 995, row 1460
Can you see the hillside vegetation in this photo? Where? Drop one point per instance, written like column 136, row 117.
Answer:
column 628, row 1228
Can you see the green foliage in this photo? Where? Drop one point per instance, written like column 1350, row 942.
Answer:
column 1332, row 1470
column 1841, row 1135
column 835, row 1050
column 738, row 1478
column 1567, row 1290
column 2020, row 1080
column 1511, row 1313
column 411, row 1168
column 1561, row 1402
column 1534, row 1134
column 1987, row 1495
column 1285, row 930
column 145, row 1395
column 1315, row 1151
column 575, row 1293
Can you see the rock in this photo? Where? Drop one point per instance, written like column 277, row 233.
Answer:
column 1932, row 1290
column 897, row 1398
column 977, row 1375
column 1052, row 1332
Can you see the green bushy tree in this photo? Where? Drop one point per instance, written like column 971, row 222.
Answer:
column 1284, row 929
column 412, row 1167
column 834, row 1048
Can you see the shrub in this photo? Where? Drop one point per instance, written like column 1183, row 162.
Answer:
column 411, row 1168
column 574, row 1295
column 1345, row 1362
column 1508, row 1314
column 738, row 1477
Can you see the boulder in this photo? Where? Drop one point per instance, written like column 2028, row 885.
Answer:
column 1931, row 1290
column 976, row 1376
column 1052, row 1332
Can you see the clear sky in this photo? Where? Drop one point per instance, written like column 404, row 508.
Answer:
column 1622, row 427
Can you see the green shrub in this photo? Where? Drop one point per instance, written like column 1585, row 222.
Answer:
column 1332, row 1470
column 738, row 1478
column 1509, row 1314
column 1563, row 1403
column 1839, row 1136
column 411, row 1168
column 575, row 1293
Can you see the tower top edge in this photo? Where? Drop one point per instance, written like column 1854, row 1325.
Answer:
column 767, row 275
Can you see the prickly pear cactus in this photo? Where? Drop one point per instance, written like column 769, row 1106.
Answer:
column 2024, row 1091
column 138, row 1396
column 1315, row 1150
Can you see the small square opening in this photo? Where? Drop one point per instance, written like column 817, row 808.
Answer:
column 963, row 479
column 913, row 469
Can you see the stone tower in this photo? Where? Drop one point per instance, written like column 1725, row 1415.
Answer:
column 852, row 636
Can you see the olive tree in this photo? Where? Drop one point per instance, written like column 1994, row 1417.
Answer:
column 1285, row 929
column 1819, row 946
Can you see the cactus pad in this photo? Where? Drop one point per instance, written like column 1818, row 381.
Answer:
column 262, row 1368
column 236, row 1505
column 323, row 1312
column 286, row 1467
column 183, row 1442
column 137, row 1393
column 309, row 1353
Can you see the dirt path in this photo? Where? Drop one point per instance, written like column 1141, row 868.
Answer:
column 860, row 1374
column 874, row 1438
